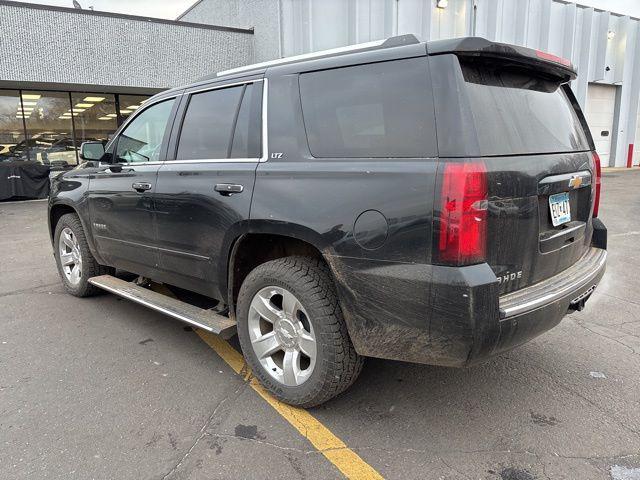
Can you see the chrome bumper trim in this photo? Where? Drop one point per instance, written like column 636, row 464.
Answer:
column 584, row 274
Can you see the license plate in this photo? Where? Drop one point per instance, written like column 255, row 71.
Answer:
column 560, row 208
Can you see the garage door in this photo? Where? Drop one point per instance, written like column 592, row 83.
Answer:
column 601, row 101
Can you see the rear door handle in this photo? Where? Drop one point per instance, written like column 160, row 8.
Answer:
column 228, row 189
column 141, row 186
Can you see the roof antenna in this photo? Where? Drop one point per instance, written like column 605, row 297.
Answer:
column 77, row 5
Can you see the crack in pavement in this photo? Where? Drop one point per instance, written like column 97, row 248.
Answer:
column 618, row 298
column 581, row 325
column 263, row 442
column 203, row 430
column 28, row 290
column 454, row 469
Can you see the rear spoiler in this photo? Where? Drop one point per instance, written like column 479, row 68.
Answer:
column 478, row 47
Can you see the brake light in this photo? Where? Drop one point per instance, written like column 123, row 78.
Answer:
column 553, row 58
column 462, row 232
column 597, row 170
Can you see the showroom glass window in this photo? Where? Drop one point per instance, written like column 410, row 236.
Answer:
column 130, row 103
column 11, row 127
column 141, row 140
column 94, row 116
column 47, row 117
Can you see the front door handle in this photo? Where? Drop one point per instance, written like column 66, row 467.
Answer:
column 141, row 186
column 228, row 189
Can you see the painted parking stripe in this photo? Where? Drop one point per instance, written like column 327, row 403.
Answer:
column 334, row 449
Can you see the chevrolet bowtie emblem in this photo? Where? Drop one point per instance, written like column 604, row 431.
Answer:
column 575, row 182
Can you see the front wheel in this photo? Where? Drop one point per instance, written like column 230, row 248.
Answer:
column 292, row 332
column 75, row 263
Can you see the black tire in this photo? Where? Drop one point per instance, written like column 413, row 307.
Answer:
column 90, row 267
column 337, row 363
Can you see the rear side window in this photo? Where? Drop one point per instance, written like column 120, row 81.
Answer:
column 221, row 123
column 247, row 134
column 516, row 112
column 376, row 110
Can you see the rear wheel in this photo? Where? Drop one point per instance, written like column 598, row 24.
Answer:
column 292, row 332
column 75, row 263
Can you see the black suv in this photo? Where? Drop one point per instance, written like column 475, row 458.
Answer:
column 429, row 202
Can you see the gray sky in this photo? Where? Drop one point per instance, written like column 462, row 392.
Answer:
column 172, row 8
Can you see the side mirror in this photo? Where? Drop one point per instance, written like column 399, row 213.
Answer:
column 91, row 151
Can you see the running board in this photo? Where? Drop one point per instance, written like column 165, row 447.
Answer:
column 198, row 317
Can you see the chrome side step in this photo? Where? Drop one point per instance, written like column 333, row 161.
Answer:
column 198, row 317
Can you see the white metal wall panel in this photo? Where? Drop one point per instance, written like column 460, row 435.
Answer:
column 557, row 26
column 599, row 112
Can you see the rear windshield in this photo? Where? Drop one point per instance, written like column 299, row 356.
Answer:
column 517, row 113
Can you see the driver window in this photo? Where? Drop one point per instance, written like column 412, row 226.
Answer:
column 142, row 138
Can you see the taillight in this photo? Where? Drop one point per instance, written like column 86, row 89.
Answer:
column 462, row 223
column 598, row 180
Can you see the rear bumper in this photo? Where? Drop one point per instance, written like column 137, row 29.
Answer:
column 575, row 282
column 532, row 311
column 454, row 316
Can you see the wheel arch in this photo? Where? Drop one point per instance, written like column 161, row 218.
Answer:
column 56, row 211
column 252, row 249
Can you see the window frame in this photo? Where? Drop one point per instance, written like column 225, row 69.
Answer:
column 181, row 115
column 177, row 99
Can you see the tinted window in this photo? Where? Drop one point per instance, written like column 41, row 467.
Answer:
column 515, row 112
column 142, row 138
column 377, row 110
column 208, row 123
column 247, row 135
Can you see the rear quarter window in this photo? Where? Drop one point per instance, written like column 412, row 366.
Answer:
column 375, row 110
column 517, row 112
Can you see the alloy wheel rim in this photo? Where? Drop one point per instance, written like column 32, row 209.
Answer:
column 70, row 256
column 282, row 336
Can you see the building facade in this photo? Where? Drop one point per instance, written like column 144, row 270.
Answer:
column 70, row 75
column 603, row 46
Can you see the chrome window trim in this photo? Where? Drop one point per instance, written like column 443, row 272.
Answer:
column 225, row 85
column 265, row 130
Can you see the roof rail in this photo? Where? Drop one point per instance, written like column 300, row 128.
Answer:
column 385, row 43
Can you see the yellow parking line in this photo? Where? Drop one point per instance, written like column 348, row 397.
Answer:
column 334, row 449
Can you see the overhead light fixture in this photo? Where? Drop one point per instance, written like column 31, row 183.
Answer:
column 78, row 110
column 30, row 96
column 611, row 35
column 125, row 111
column 442, row 3
column 111, row 115
column 105, row 118
column 93, row 99
column 29, row 103
column 133, row 107
column 84, row 105
column 64, row 117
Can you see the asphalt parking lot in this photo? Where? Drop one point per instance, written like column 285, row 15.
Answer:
column 102, row 388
